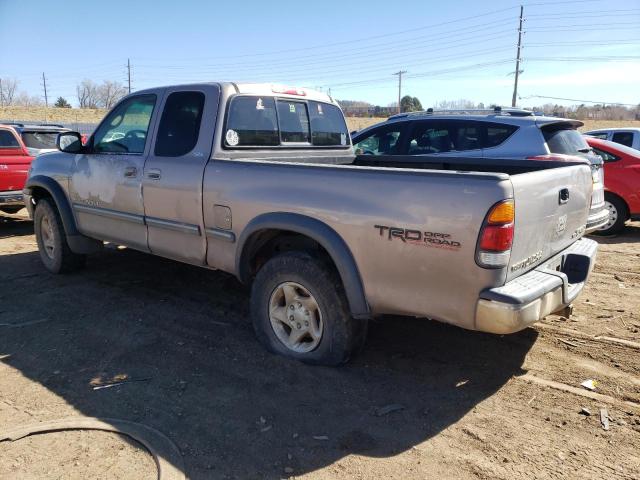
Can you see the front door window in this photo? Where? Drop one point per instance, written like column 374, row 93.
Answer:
column 125, row 129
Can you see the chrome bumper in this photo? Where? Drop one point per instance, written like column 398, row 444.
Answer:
column 597, row 220
column 11, row 198
column 529, row 298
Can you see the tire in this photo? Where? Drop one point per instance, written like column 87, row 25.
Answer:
column 55, row 253
column 11, row 210
column 331, row 337
column 617, row 215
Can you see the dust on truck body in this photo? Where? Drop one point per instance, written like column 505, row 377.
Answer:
column 261, row 181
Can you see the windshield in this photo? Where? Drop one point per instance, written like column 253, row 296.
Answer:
column 40, row 140
column 566, row 140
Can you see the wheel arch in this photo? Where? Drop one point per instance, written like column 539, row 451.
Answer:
column 274, row 224
column 40, row 186
column 37, row 185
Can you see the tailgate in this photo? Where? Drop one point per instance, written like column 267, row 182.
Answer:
column 13, row 176
column 552, row 207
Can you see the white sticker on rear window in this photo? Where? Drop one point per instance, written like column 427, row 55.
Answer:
column 259, row 104
column 232, row 138
column 292, row 107
column 343, row 139
column 320, row 112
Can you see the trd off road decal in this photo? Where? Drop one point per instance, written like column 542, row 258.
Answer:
column 417, row 237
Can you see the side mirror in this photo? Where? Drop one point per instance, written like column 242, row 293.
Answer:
column 69, row 142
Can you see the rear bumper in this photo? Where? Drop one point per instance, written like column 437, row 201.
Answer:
column 597, row 220
column 529, row 298
column 11, row 198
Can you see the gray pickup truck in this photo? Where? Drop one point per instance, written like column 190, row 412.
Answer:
column 261, row 181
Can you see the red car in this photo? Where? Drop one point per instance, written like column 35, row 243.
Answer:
column 19, row 145
column 621, row 182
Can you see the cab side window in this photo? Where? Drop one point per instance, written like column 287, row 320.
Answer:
column 125, row 129
column 179, row 124
column 382, row 141
column 8, row 140
column 623, row 138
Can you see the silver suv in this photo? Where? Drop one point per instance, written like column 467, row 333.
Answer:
column 500, row 133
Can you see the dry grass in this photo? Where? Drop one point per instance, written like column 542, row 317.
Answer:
column 64, row 115
column 87, row 115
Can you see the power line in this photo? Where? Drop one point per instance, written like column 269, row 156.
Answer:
column 582, row 12
column 373, row 37
column 405, row 44
column 579, row 100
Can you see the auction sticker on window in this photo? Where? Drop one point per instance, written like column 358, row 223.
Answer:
column 232, row 138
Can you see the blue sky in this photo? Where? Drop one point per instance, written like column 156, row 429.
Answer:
column 451, row 50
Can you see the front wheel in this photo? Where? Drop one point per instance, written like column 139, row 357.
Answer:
column 299, row 311
column 55, row 253
column 617, row 216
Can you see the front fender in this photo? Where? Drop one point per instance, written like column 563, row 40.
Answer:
column 77, row 242
column 62, row 204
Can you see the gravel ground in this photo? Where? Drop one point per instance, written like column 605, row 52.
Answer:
column 424, row 400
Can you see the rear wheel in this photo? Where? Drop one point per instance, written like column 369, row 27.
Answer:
column 617, row 215
column 299, row 311
column 55, row 253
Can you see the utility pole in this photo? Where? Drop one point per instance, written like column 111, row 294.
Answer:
column 46, row 97
column 129, row 73
column 44, row 85
column 400, row 73
column 515, row 84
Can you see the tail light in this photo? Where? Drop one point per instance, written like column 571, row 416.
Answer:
column 496, row 236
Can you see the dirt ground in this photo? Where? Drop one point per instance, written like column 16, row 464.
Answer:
column 424, row 400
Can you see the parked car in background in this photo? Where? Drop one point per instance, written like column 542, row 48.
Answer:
column 19, row 145
column 485, row 134
column 261, row 181
column 629, row 137
column 621, row 182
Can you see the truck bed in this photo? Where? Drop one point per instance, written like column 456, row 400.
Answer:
column 508, row 166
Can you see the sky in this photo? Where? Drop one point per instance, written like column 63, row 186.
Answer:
column 576, row 50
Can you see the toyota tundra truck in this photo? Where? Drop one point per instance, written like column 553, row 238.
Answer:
column 261, row 181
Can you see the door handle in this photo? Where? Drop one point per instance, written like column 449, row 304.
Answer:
column 563, row 196
column 154, row 174
column 130, row 172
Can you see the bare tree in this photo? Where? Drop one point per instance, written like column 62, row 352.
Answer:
column 459, row 104
column 109, row 93
column 8, row 90
column 23, row 99
column 88, row 94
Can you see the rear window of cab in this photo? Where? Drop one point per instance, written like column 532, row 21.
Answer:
column 263, row 121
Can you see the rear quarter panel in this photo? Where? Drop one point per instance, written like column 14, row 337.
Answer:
column 414, row 278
